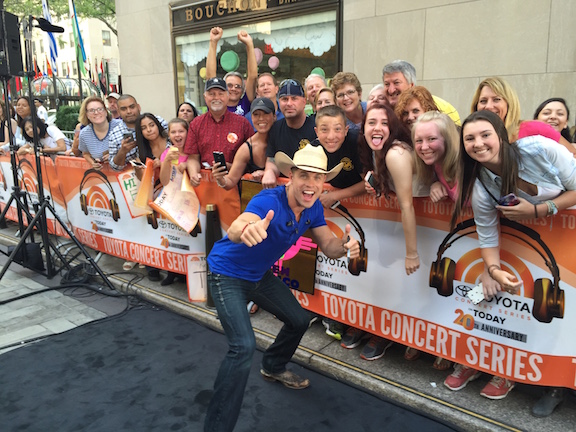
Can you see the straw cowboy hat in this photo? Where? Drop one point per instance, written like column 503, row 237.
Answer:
column 310, row 158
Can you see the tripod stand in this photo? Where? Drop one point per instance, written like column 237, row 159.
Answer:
column 38, row 222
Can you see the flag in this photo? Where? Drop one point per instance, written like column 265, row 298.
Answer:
column 49, row 69
column 102, row 77
column 18, row 83
column 68, row 70
column 37, row 71
column 80, row 53
column 51, row 41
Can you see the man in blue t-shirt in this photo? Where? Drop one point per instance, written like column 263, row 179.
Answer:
column 239, row 271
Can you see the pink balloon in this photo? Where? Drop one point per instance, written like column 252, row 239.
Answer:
column 273, row 62
column 259, row 55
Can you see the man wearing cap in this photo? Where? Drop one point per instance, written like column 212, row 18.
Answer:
column 216, row 130
column 292, row 132
column 239, row 271
column 112, row 99
column 40, row 110
column 241, row 93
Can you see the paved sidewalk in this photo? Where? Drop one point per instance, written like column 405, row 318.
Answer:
column 45, row 313
column 414, row 384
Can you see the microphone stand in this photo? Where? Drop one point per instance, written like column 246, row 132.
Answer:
column 38, row 222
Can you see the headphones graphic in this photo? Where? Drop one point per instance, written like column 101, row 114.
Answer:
column 359, row 264
column 548, row 297
column 84, row 200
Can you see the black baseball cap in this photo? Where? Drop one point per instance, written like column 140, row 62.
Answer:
column 218, row 83
column 262, row 104
column 290, row 87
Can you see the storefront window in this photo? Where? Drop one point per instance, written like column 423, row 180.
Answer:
column 287, row 48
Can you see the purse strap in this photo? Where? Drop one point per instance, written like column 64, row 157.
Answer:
column 486, row 189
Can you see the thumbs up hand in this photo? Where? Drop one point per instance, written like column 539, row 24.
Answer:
column 256, row 232
column 350, row 244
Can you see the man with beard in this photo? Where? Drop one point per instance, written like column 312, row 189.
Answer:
column 400, row 75
column 291, row 133
column 122, row 148
column 217, row 130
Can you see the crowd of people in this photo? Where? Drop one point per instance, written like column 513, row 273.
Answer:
column 401, row 140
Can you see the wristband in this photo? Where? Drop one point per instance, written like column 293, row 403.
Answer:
column 246, row 226
column 493, row 266
column 552, row 209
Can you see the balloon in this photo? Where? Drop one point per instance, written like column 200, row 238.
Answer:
column 203, row 73
column 229, row 61
column 259, row 55
column 318, row 71
column 273, row 62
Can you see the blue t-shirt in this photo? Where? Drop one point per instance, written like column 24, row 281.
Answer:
column 239, row 261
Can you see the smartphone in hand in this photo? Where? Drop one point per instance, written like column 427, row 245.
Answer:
column 370, row 178
column 138, row 164
column 128, row 135
column 509, row 200
column 219, row 157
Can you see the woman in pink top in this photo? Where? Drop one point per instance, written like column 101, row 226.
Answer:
column 436, row 143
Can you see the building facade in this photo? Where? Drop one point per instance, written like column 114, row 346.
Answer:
column 453, row 44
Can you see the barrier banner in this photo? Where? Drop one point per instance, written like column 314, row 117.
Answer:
column 526, row 336
column 28, row 180
column 100, row 208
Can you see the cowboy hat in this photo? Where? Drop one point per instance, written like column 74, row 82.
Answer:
column 310, row 158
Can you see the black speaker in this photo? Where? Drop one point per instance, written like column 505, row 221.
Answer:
column 10, row 50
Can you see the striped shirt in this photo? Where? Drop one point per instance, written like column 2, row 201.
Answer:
column 89, row 142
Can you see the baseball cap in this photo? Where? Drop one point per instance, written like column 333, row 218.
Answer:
column 113, row 95
column 290, row 87
column 262, row 104
column 218, row 83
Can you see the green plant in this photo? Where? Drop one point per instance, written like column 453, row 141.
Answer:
column 67, row 117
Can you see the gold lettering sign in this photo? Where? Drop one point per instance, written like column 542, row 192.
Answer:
column 242, row 5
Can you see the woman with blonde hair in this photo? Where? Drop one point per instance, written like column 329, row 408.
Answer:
column 496, row 95
column 437, row 150
column 93, row 138
column 324, row 97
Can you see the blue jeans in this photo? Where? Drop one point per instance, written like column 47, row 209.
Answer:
column 230, row 297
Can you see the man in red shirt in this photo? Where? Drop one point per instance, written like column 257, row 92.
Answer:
column 217, row 130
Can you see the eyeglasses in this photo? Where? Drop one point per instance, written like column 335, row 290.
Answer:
column 95, row 110
column 234, row 86
column 349, row 93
